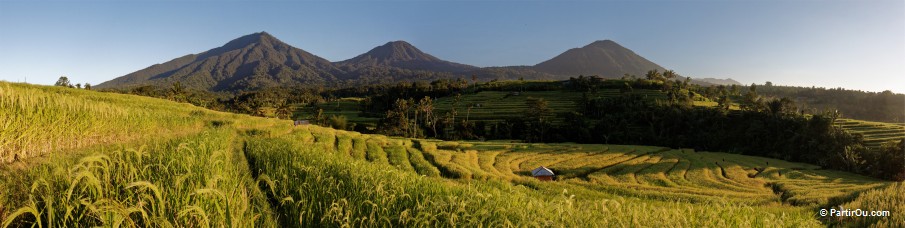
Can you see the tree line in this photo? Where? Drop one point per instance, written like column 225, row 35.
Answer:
column 64, row 82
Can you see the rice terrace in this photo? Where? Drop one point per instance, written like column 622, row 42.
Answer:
column 260, row 133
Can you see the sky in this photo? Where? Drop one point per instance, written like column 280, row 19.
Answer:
column 850, row 44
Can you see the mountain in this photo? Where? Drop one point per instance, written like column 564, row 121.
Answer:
column 249, row 62
column 604, row 58
column 259, row 60
column 403, row 55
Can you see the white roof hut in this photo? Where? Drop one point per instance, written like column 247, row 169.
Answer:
column 542, row 173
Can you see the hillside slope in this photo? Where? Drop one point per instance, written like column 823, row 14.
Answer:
column 250, row 62
column 604, row 58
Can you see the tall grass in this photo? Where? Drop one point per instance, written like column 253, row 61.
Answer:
column 421, row 165
column 891, row 198
column 36, row 120
column 196, row 181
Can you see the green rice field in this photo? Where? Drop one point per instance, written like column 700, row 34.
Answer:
column 191, row 167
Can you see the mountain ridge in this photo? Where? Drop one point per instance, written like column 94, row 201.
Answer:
column 253, row 61
column 260, row 60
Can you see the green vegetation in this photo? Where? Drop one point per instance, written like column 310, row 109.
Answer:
column 348, row 107
column 495, row 106
column 875, row 133
column 883, row 106
column 207, row 168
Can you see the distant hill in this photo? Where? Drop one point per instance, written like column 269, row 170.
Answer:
column 403, row 55
column 604, row 58
column 250, row 62
column 716, row 81
column 259, row 60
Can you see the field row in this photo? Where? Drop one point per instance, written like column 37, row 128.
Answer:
column 875, row 133
column 639, row 171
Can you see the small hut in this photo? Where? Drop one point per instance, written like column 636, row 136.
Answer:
column 543, row 173
column 300, row 122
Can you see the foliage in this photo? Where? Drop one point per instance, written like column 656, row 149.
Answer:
column 887, row 161
column 883, row 106
column 63, row 81
column 338, row 122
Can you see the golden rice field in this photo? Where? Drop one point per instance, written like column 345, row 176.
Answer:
column 183, row 166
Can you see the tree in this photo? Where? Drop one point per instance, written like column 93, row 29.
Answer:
column 319, row 117
column 284, row 110
column 734, row 90
column 536, row 116
column 723, row 102
column 426, row 106
column 751, row 101
column 177, row 92
column 63, row 81
column 88, row 86
column 669, row 74
column 781, row 106
column 653, row 75
column 78, row 85
column 338, row 122
column 402, row 120
column 889, row 161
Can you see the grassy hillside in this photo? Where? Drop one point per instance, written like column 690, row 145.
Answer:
column 187, row 166
column 488, row 106
column 348, row 107
column 875, row 133
column 492, row 106
column 40, row 119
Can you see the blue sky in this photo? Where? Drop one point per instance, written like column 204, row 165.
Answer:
column 851, row 44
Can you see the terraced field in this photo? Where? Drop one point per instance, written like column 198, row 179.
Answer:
column 493, row 106
column 228, row 170
column 875, row 133
column 487, row 106
column 348, row 107
column 637, row 171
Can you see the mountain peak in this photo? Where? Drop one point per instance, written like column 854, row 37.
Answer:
column 258, row 37
column 247, row 62
column 400, row 51
column 605, row 58
column 399, row 43
column 391, row 52
column 404, row 55
column 603, row 44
